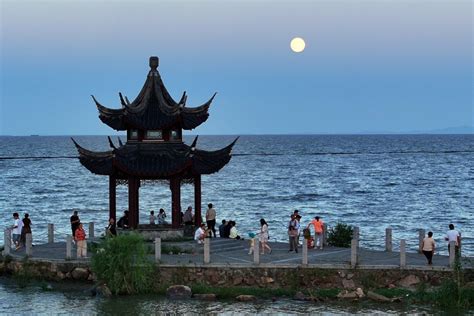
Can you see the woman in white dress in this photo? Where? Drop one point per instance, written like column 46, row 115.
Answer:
column 264, row 237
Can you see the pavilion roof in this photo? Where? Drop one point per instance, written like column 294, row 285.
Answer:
column 154, row 108
column 154, row 160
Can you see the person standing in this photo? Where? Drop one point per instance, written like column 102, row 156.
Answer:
column 211, row 220
column 16, row 230
column 453, row 235
column 161, row 217
column 292, row 233
column 318, row 231
column 74, row 223
column 264, row 236
column 429, row 247
column 80, row 237
column 26, row 228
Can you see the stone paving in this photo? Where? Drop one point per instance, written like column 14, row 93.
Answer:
column 235, row 253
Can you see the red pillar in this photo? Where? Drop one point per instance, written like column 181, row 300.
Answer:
column 133, row 207
column 175, row 185
column 197, row 200
column 112, row 198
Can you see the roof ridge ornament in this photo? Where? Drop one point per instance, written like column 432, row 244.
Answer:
column 154, row 62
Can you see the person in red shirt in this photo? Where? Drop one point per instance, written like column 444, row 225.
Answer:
column 318, row 231
column 80, row 237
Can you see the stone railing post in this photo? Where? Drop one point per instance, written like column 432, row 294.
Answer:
column 68, row 247
column 403, row 254
column 207, row 250
column 421, row 236
column 50, row 233
column 91, row 230
column 305, row 251
column 388, row 239
column 28, row 245
column 354, row 254
column 7, row 242
column 157, row 249
column 256, row 251
column 325, row 234
column 356, row 234
column 452, row 253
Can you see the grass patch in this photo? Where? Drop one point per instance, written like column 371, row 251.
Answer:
column 232, row 292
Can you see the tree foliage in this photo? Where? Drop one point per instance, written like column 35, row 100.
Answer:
column 340, row 235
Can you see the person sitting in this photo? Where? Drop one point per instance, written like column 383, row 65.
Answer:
column 234, row 234
column 200, row 234
column 152, row 217
column 111, row 231
column 222, row 228
column 226, row 230
column 188, row 216
column 123, row 221
column 161, row 217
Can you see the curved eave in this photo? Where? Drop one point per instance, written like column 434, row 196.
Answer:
column 208, row 162
column 111, row 117
column 96, row 162
column 193, row 117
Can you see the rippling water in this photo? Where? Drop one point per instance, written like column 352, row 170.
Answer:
column 373, row 181
column 64, row 300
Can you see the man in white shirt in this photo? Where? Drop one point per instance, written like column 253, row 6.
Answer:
column 200, row 234
column 16, row 230
column 453, row 235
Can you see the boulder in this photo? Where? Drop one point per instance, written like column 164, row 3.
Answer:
column 360, row 292
column 391, row 286
column 80, row 274
column 237, row 281
column 348, row 284
column 350, row 276
column 178, row 292
column 347, row 295
column 246, row 298
column 469, row 285
column 409, row 281
column 103, row 291
column 377, row 297
column 267, row 280
column 205, row 297
column 299, row 296
column 61, row 275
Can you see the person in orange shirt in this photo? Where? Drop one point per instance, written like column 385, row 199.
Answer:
column 80, row 237
column 318, row 231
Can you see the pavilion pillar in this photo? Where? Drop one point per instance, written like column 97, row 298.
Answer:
column 197, row 201
column 175, row 186
column 133, row 207
column 112, row 198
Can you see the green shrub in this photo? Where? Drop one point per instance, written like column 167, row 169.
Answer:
column 340, row 236
column 123, row 264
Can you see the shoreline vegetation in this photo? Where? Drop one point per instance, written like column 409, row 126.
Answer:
column 121, row 266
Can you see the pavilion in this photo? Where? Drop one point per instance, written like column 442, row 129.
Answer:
column 154, row 151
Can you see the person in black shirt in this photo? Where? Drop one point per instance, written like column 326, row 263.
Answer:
column 227, row 229
column 123, row 221
column 74, row 223
column 111, row 231
column 222, row 228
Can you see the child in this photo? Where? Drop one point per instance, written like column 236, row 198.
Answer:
column 251, row 243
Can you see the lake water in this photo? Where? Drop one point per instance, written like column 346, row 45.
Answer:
column 406, row 182
column 65, row 299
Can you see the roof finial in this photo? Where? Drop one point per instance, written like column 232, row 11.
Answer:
column 154, row 62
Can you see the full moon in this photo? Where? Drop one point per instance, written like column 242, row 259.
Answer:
column 297, row 44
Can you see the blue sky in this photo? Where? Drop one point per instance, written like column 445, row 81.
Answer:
column 368, row 66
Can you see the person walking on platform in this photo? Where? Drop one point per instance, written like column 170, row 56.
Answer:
column 429, row 247
column 211, row 220
column 318, row 231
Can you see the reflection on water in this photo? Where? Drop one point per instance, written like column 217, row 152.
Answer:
column 71, row 298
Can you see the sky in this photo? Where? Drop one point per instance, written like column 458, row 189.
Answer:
column 368, row 66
